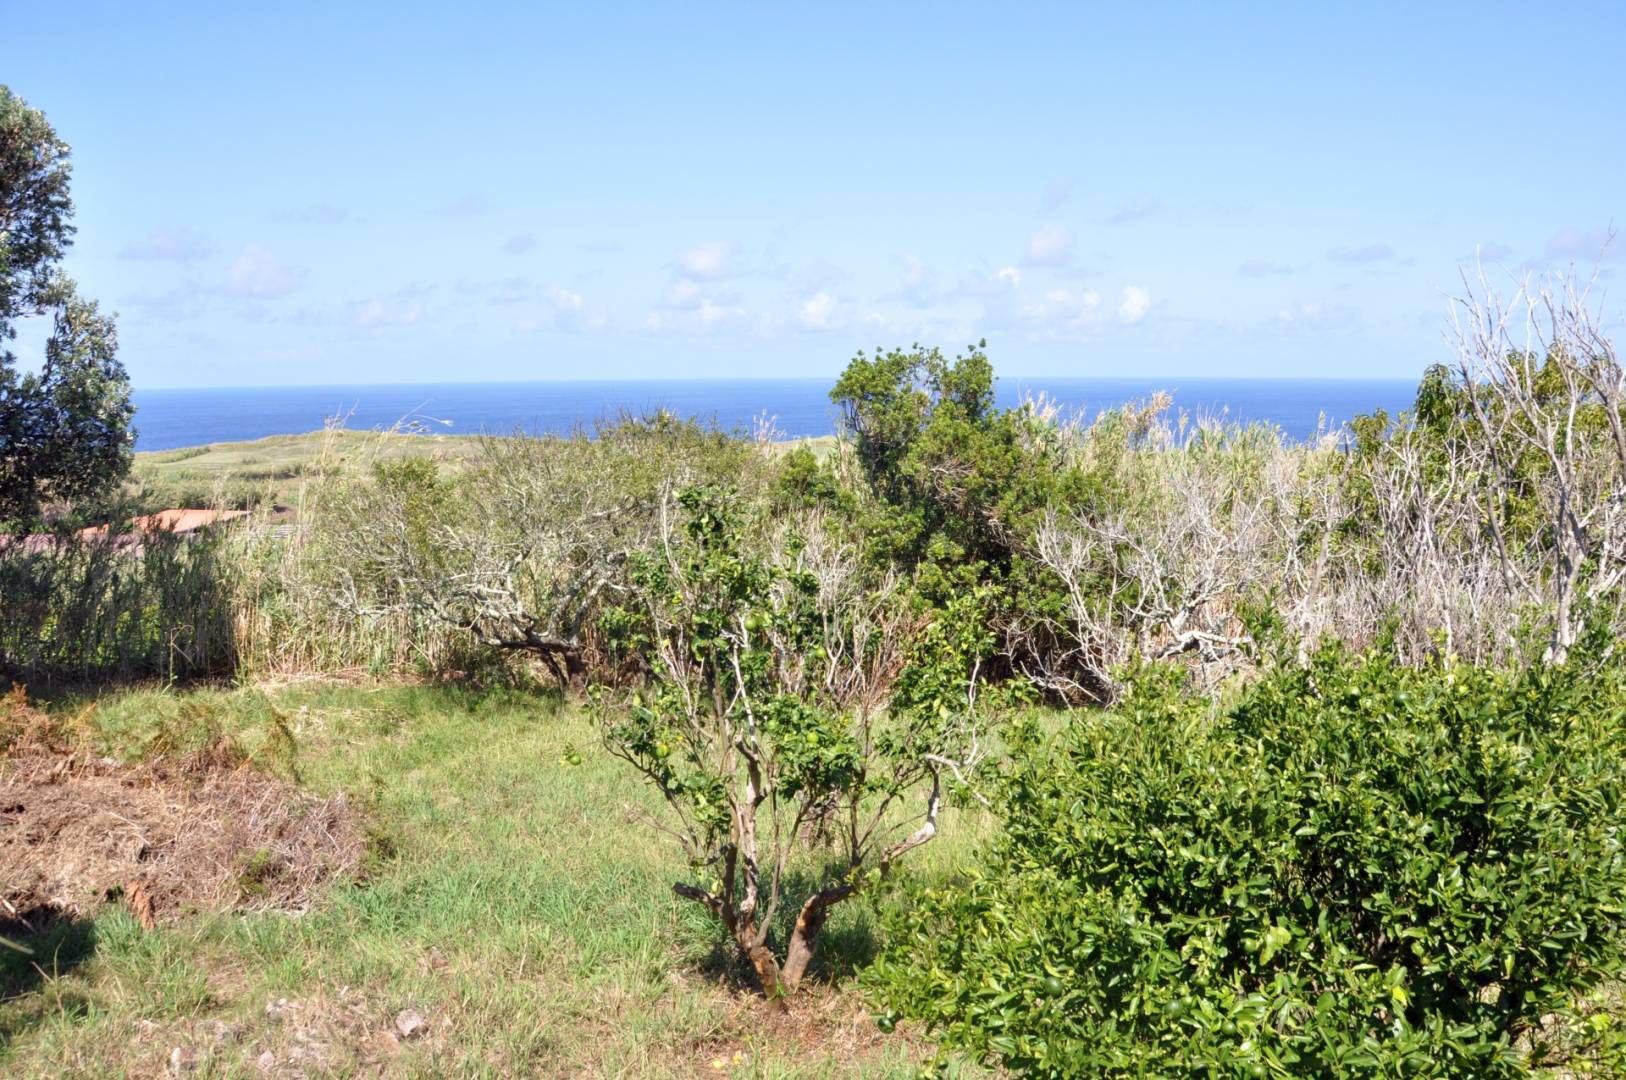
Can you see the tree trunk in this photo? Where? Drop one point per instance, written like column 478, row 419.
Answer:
column 803, row 944
column 752, row 949
column 769, row 976
column 804, row 939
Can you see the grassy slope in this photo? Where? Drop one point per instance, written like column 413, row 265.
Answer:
column 273, row 468
column 521, row 911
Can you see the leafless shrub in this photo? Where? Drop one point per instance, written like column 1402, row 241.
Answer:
column 1161, row 576
column 1497, row 510
column 522, row 550
column 1546, row 391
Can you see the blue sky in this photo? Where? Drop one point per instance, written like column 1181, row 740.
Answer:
column 355, row 192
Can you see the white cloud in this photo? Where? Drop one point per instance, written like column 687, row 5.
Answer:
column 1063, row 308
column 562, row 299
column 913, row 273
column 501, row 292
column 318, row 213
column 708, row 262
column 1135, row 211
column 947, row 319
column 1586, row 244
column 519, row 244
column 386, row 312
column 914, row 283
column 261, row 275
column 1366, row 254
column 1318, row 316
column 1136, row 302
column 689, row 304
column 571, row 312
column 177, row 245
column 1006, row 299
column 1050, row 246
column 1263, row 268
column 819, row 311
column 463, row 206
column 565, row 311
column 712, row 314
column 703, row 316
column 682, row 296
column 187, row 300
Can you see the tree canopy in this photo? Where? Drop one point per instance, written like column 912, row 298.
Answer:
column 65, row 434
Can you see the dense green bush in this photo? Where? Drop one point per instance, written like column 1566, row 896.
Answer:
column 951, row 488
column 958, row 481
column 1354, row 869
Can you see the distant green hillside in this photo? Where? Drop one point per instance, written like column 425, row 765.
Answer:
column 271, row 470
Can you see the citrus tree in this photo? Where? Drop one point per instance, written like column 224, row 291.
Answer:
column 794, row 698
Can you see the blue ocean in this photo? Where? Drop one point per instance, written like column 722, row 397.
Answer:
column 167, row 419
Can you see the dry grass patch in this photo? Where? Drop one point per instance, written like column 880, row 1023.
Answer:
column 195, row 832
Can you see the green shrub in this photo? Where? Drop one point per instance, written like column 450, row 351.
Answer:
column 766, row 720
column 951, row 488
column 1355, row 869
column 957, row 481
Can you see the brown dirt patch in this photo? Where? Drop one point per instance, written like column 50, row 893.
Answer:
column 199, row 832
column 824, row 1026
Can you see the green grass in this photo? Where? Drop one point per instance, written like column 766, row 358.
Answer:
column 272, row 470
column 512, row 899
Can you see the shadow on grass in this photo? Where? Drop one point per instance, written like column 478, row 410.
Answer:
column 477, row 672
column 848, row 943
column 46, row 945
column 485, row 690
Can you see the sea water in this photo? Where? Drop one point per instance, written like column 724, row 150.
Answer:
column 166, row 419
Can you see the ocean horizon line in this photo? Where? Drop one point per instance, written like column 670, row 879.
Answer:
column 799, row 406
column 830, row 379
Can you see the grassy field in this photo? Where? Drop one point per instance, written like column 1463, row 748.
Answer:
column 272, row 470
column 511, row 899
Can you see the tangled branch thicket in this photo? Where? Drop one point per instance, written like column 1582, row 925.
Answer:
column 1485, row 525
column 526, row 546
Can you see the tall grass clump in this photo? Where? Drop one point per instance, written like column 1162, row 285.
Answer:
column 86, row 609
column 286, row 623
column 239, row 599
